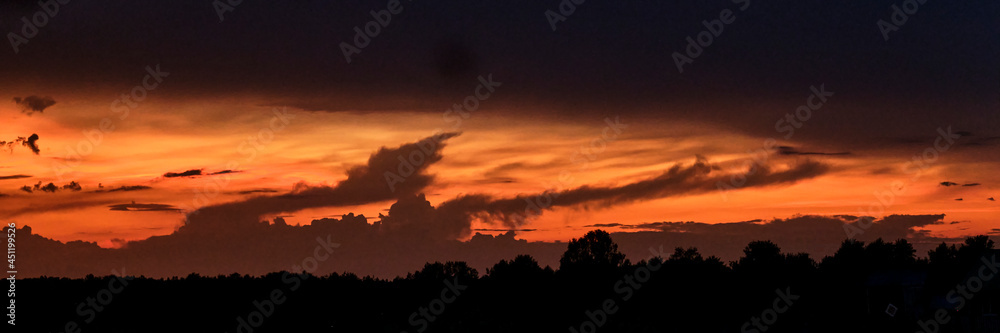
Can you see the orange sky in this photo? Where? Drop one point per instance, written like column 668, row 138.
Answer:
column 501, row 152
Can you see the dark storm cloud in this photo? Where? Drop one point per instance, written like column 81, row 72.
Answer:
column 32, row 104
column 448, row 44
column 224, row 172
column 14, row 177
column 948, row 183
column 368, row 249
column 364, row 184
column 971, row 184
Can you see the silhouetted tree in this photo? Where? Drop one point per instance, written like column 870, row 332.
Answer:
column 437, row 271
column 595, row 249
column 690, row 254
column 759, row 255
column 943, row 255
column 975, row 247
column 687, row 291
column 522, row 266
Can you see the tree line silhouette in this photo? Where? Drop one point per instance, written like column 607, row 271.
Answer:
column 876, row 286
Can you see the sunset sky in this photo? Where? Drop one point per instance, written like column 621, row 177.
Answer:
column 263, row 104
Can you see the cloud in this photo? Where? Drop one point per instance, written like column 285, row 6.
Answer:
column 119, row 243
column 197, row 173
column 30, row 142
column 189, row 173
column 544, row 80
column 126, row 188
column 453, row 218
column 51, row 187
column 948, row 184
column 263, row 190
column 36, row 206
column 506, row 230
column 698, row 178
column 32, row 104
column 390, row 173
column 787, row 150
column 981, row 141
column 134, row 207
column 604, row 225
column 368, row 249
column 14, row 177
column 72, row 186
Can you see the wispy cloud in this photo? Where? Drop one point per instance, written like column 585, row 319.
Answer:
column 136, row 207
column 189, row 173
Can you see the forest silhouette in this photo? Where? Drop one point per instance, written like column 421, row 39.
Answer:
column 878, row 286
